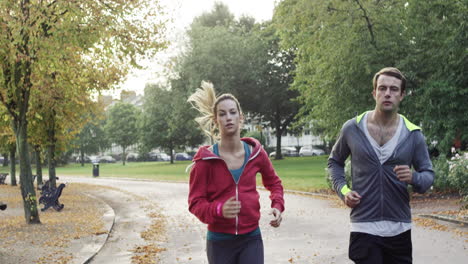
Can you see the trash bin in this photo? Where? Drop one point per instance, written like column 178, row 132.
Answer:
column 96, row 169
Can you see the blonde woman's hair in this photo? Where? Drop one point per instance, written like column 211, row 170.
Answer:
column 205, row 101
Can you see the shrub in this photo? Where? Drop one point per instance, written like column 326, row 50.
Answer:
column 452, row 175
column 257, row 135
column 347, row 175
column 441, row 171
column 458, row 175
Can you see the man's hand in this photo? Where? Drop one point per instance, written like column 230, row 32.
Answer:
column 276, row 217
column 231, row 208
column 403, row 173
column 352, row 199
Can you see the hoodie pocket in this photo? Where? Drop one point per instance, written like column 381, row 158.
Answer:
column 250, row 210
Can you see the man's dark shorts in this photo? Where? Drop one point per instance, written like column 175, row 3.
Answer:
column 369, row 249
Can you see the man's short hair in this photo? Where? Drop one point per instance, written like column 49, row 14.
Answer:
column 390, row 71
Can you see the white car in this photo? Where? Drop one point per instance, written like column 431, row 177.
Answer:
column 106, row 159
column 286, row 151
column 163, row 157
column 309, row 151
column 132, row 156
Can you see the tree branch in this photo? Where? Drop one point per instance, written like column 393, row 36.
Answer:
column 369, row 24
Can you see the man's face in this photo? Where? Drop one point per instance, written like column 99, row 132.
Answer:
column 387, row 94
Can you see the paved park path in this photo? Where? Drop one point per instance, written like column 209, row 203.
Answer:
column 314, row 230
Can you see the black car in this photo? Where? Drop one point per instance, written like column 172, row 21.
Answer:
column 182, row 156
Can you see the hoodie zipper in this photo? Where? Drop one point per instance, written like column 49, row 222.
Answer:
column 237, row 199
column 237, row 183
column 400, row 142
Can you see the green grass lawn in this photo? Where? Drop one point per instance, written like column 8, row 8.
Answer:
column 302, row 173
column 298, row 173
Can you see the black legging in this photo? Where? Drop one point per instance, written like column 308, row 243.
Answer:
column 241, row 250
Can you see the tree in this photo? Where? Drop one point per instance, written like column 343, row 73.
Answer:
column 339, row 45
column 437, row 70
column 219, row 16
column 168, row 121
column 36, row 35
column 274, row 79
column 38, row 158
column 121, row 126
column 58, row 114
column 91, row 138
column 243, row 58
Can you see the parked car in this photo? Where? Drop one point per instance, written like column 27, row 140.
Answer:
column 85, row 158
column 182, row 156
column 132, row 156
column 310, row 151
column 164, row 157
column 106, row 159
column 117, row 157
column 152, row 156
column 286, row 151
column 158, row 156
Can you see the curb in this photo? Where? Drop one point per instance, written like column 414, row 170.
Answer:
column 91, row 248
column 445, row 218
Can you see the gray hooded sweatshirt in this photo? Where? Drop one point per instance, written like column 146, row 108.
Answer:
column 384, row 197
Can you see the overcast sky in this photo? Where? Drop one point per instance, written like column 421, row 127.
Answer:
column 182, row 13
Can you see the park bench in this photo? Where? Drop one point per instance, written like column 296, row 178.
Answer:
column 3, row 177
column 49, row 196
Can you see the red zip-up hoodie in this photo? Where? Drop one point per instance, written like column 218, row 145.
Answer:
column 211, row 184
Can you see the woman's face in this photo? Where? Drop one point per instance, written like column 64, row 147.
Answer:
column 228, row 118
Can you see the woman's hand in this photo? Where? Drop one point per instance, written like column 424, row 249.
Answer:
column 231, row 208
column 276, row 217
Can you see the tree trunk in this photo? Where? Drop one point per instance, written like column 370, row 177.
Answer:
column 27, row 188
column 13, row 165
column 51, row 151
column 82, row 157
column 123, row 155
column 278, row 131
column 51, row 164
column 18, row 108
column 171, row 150
column 5, row 159
column 37, row 149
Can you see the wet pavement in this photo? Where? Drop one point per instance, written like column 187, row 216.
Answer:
column 314, row 229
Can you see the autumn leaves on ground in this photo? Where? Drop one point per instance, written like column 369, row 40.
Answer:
column 56, row 238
